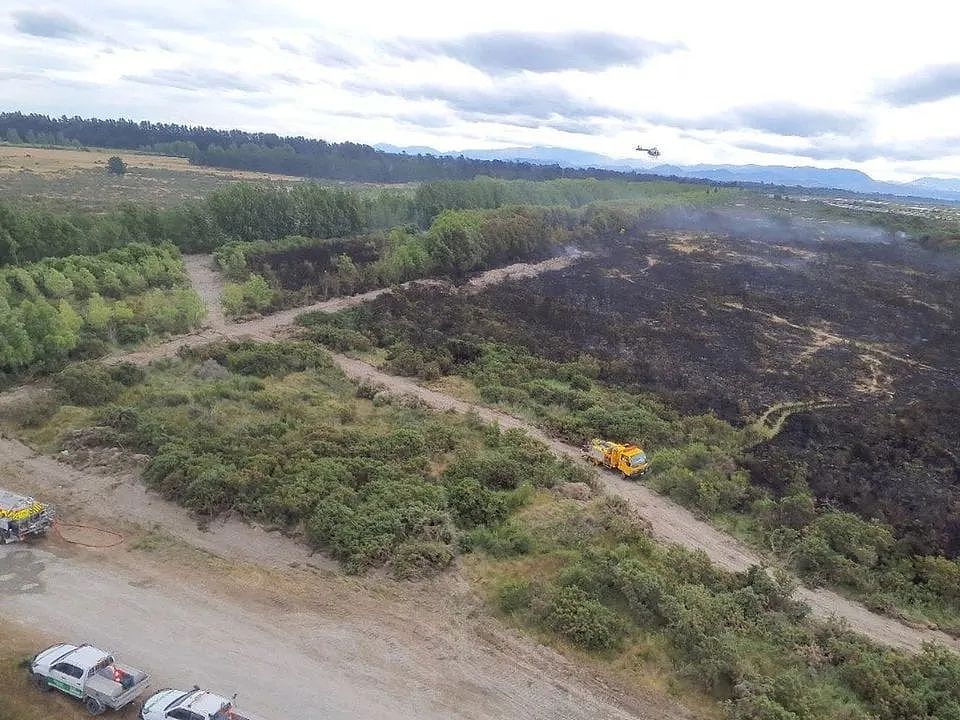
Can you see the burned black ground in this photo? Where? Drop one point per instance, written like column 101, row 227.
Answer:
column 867, row 329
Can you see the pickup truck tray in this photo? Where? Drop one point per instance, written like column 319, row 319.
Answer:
column 111, row 693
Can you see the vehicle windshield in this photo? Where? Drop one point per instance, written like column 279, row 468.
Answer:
column 638, row 459
column 179, row 700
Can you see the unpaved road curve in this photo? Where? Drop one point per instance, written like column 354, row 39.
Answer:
column 670, row 521
column 341, row 655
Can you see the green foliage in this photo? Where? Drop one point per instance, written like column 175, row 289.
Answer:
column 253, row 295
column 16, row 346
column 942, row 576
column 75, row 306
column 514, row 595
column 507, row 540
column 87, row 384
column 239, row 212
column 739, row 637
column 306, row 453
column 419, row 558
column 841, row 548
column 584, row 620
column 116, row 165
column 262, row 359
column 175, row 311
column 127, row 374
column 473, row 504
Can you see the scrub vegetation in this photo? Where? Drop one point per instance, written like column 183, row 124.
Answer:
column 80, row 306
column 279, row 436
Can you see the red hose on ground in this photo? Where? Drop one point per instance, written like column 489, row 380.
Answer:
column 118, row 538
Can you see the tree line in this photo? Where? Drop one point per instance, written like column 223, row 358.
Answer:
column 269, row 152
column 240, row 211
column 247, row 212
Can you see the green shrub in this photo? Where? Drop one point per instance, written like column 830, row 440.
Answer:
column 514, row 595
column 584, row 620
column 87, row 384
column 505, row 541
column 132, row 333
column 90, row 348
column 419, row 558
column 341, row 339
column 472, row 504
column 127, row 373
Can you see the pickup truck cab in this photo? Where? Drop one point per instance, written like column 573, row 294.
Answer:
column 195, row 704
column 88, row 674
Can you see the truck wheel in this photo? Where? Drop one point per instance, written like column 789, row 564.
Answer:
column 94, row 706
column 40, row 682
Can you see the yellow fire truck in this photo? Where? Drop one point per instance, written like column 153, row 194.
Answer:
column 628, row 459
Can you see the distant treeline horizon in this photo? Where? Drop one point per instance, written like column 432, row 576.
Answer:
column 288, row 155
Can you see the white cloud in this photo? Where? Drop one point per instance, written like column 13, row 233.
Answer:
column 826, row 84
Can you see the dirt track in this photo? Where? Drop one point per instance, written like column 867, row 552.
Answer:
column 323, row 649
column 670, row 521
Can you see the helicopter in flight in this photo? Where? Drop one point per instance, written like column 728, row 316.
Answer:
column 651, row 151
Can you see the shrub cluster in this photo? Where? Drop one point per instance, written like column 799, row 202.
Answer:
column 75, row 306
column 374, row 484
column 739, row 637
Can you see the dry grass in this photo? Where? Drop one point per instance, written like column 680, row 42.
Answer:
column 18, row 699
column 67, row 178
column 57, row 161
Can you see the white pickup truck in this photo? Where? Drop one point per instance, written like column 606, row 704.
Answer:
column 88, row 674
column 193, row 704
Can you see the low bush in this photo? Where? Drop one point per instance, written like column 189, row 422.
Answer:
column 420, row 558
column 87, row 384
column 585, row 621
column 514, row 595
column 508, row 540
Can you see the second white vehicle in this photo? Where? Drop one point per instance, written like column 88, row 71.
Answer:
column 195, row 704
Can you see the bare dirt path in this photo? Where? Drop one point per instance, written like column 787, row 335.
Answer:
column 296, row 645
column 208, row 283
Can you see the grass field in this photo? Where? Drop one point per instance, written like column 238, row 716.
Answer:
column 55, row 176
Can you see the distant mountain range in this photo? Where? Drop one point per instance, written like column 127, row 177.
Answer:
column 809, row 177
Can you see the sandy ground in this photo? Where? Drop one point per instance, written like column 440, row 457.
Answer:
column 208, row 284
column 301, row 645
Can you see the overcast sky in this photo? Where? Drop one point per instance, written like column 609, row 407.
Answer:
column 855, row 84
